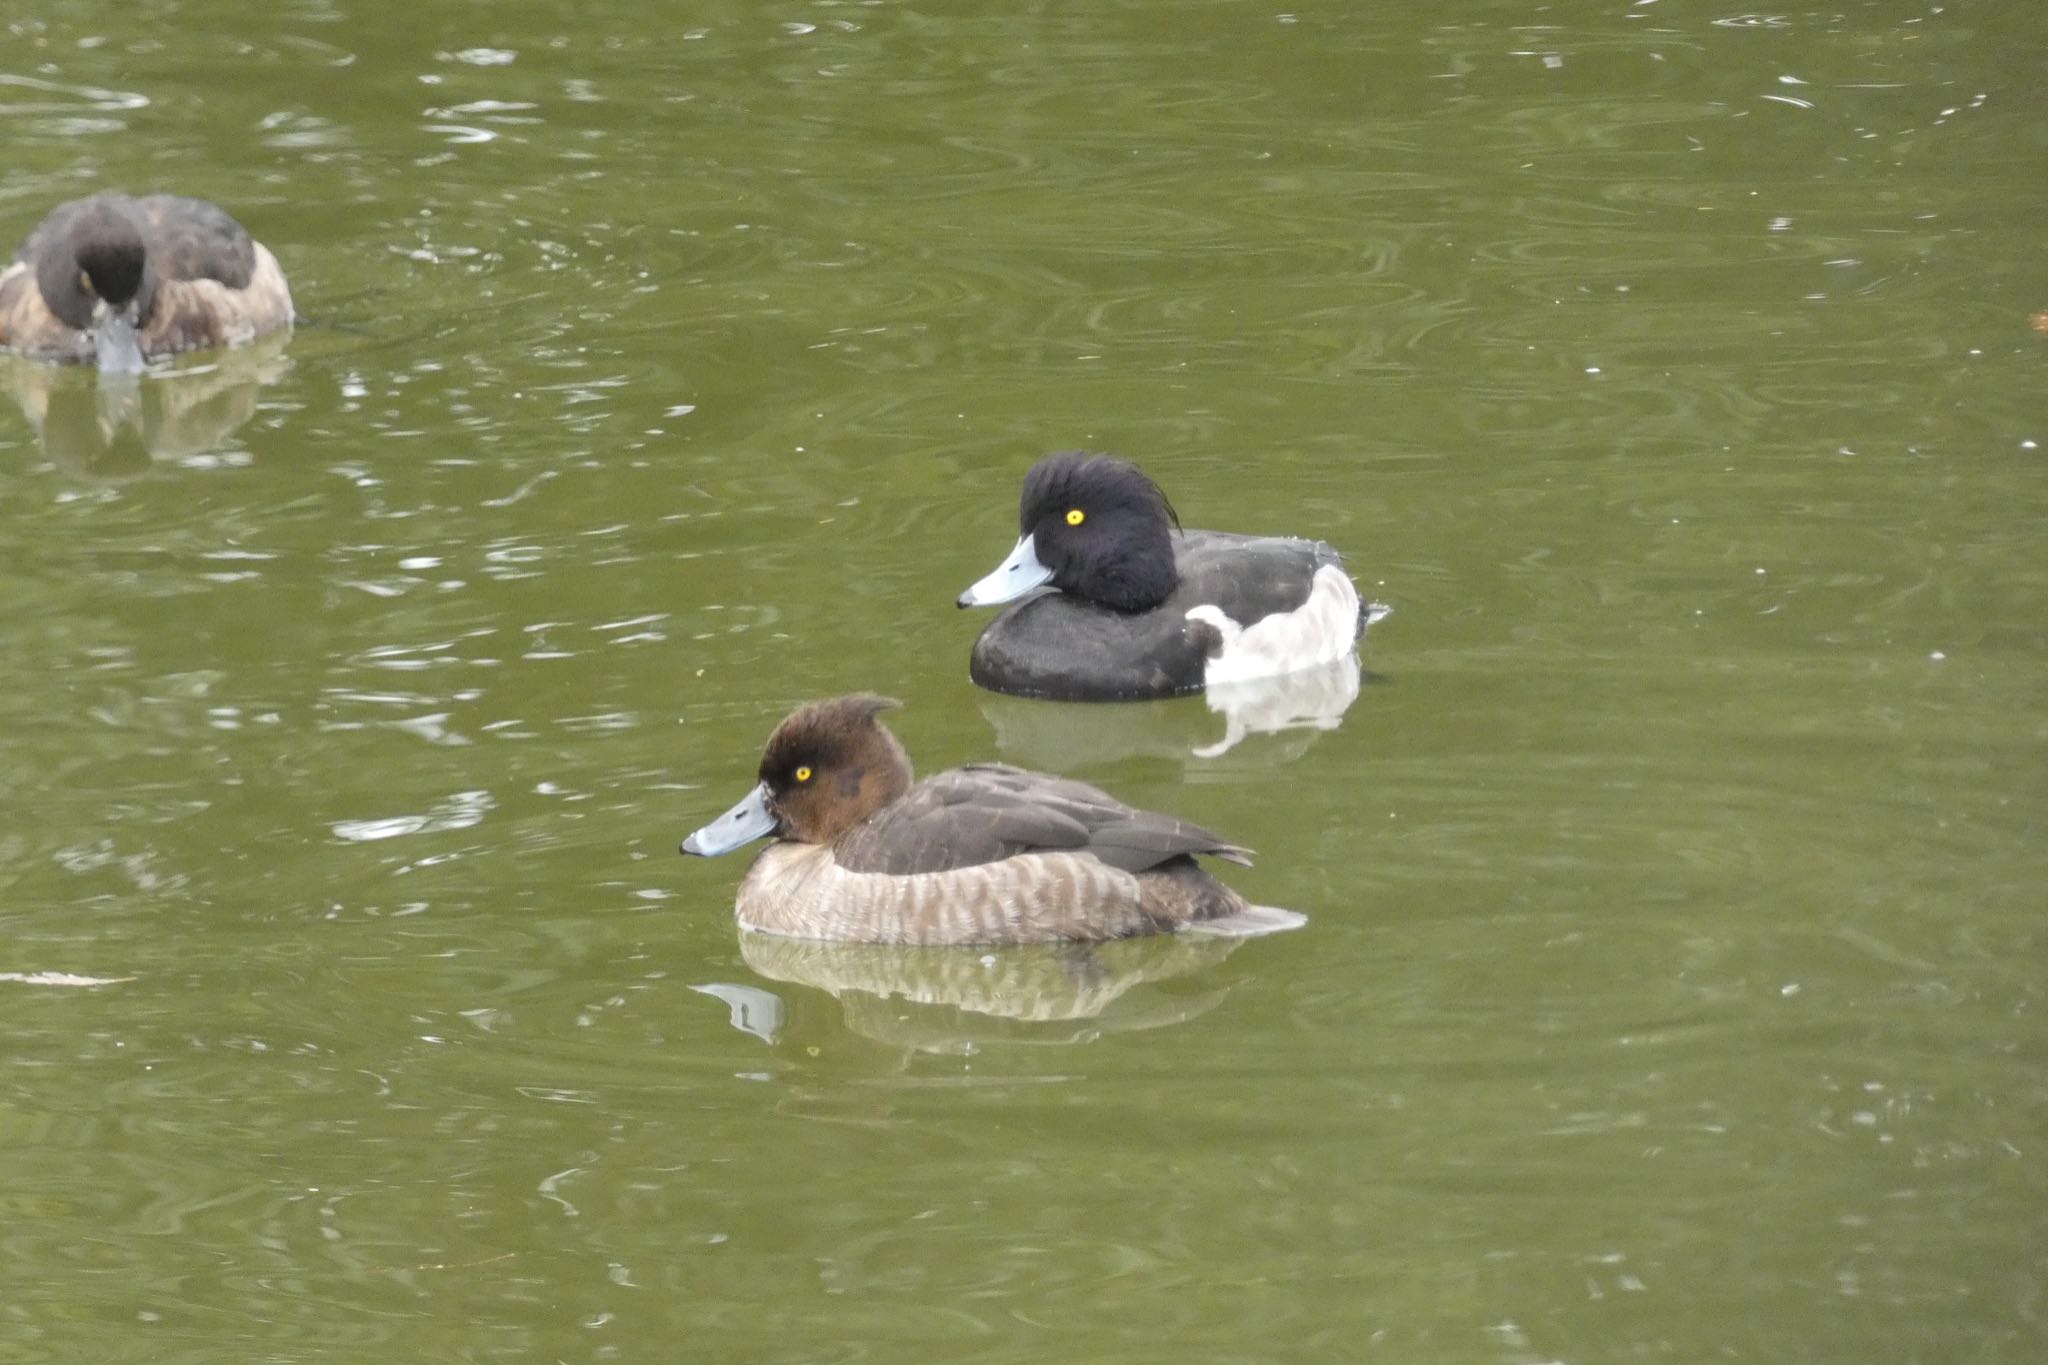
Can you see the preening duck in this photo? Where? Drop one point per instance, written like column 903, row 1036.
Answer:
column 120, row 281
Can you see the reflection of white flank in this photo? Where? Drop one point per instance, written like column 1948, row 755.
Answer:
column 1319, row 631
column 1306, row 699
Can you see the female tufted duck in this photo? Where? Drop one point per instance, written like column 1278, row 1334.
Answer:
column 1143, row 609
column 121, row 281
column 981, row 854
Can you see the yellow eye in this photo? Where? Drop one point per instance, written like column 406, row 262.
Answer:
column 1075, row 516
column 803, row 774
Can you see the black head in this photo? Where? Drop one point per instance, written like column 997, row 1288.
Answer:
column 832, row 764
column 99, row 257
column 111, row 254
column 1102, row 527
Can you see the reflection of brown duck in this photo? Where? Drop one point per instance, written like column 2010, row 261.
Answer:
column 953, row 999
column 119, row 281
column 981, row 854
column 111, row 427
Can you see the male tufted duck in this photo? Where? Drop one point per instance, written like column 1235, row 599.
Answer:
column 981, row 854
column 1143, row 609
column 121, row 281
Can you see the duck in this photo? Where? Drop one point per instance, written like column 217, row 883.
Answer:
column 981, row 854
column 119, row 281
column 1135, row 608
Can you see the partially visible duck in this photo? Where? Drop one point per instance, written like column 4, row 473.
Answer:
column 981, row 854
column 1140, row 608
column 120, row 281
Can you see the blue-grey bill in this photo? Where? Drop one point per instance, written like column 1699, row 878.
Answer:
column 1014, row 577
column 751, row 819
column 115, row 344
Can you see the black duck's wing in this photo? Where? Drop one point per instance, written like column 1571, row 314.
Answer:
column 1250, row 577
column 989, row 811
column 190, row 239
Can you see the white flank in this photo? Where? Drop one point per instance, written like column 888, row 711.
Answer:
column 1319, row 631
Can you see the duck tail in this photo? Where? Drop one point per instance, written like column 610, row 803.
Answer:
column 1250, row 922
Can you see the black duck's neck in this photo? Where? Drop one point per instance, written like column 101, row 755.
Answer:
column 1141, row 576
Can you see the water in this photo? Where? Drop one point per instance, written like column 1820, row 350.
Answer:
column 1673, row 984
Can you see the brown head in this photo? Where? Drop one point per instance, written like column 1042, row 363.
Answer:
column 828, row 766
column 831, row 765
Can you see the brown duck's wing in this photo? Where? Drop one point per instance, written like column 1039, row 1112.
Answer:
column 986, row 812
column 190, row 239
column 957, row 819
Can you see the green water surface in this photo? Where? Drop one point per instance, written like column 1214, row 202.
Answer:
column 1674, row 982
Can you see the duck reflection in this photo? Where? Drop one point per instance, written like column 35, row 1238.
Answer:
column 1061, row 737
column 955, row 1000
column 113, row 427
column 1312, row 700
